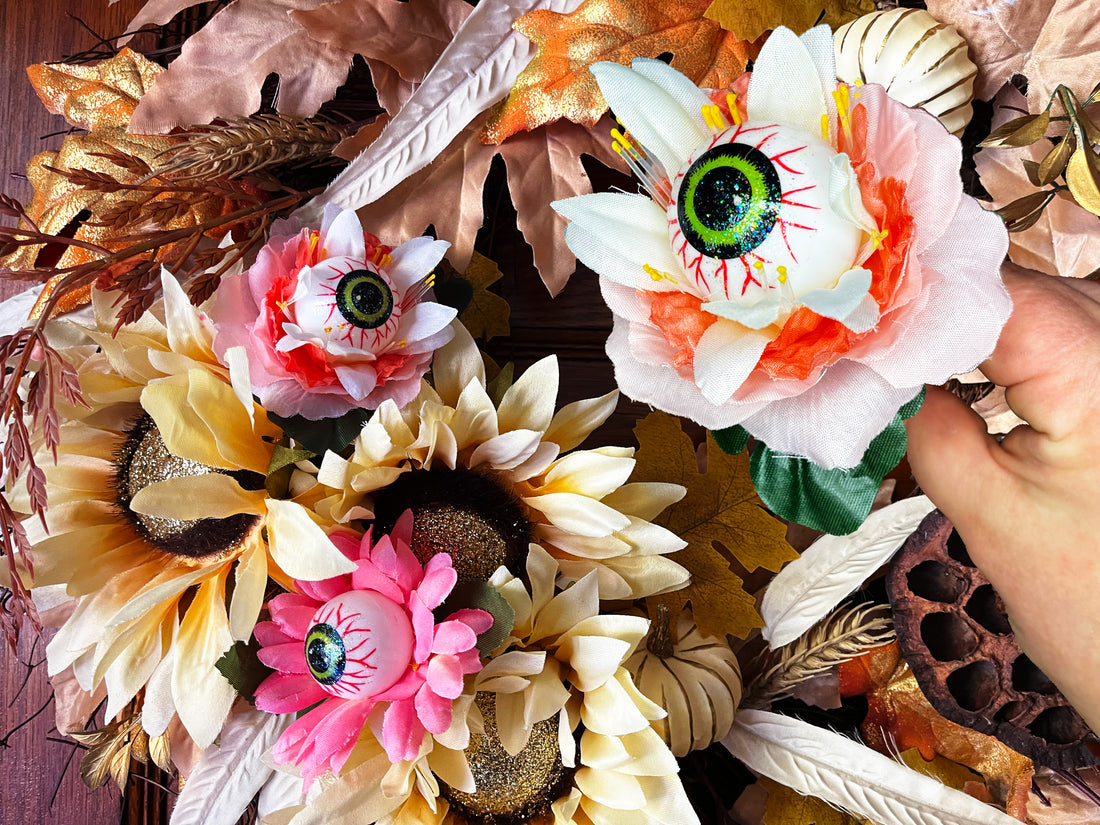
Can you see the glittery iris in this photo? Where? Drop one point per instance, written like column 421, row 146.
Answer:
column 325, row 654
column 364, row 299
column 729, row 201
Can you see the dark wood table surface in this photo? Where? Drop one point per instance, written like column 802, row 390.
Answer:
column 39, row 776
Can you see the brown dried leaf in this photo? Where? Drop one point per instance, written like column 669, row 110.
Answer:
column 1065, row 240
column 557, row 83
column 720, row 507
column 1047, row 41
column 1062, row 802
column 222, row 68
column 487, row 313
column 543, row 166
column 751, row 18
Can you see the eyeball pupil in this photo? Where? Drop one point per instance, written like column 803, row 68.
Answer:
column 364, row 299
column 325, row 654
column 729, row 200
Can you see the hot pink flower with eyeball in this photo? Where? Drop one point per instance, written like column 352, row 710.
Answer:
column 350, row 643
column 332, row 320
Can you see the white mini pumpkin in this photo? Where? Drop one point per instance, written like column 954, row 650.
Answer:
column 918, row 60
column 697, row 680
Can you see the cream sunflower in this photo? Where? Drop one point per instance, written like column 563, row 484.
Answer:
column 499, row 476
column 554, row 732
column 156, row 510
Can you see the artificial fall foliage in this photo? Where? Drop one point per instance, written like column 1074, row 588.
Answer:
column 751, row 19
column 557, row 83
column 487, row 313
column 223, row 66
column 720, row 508
column 785, row 806
column 899, row 717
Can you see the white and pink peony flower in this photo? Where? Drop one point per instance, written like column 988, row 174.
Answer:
column 334, row 320
column 805, row 261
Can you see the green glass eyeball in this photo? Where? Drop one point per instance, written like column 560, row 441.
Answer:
column 364, row 299
column 325, row 654
column 729, row 200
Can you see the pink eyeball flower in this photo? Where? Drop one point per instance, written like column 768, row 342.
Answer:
column 332, row 320
column 352, row 642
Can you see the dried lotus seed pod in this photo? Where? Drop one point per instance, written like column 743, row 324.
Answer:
column 919, row 61
column 952, row 627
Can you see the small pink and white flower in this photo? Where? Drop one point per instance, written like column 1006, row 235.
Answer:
column 353, row 642
column 333, row 320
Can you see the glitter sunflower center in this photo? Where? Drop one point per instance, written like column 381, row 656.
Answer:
column 511, row 790
column 468, row 515
column 142, row 460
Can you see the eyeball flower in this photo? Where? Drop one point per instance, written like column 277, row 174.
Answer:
column 351, row 642
column 805, row 260
column 333, row 320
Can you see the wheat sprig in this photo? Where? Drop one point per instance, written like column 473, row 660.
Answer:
column 249, row 145
column 844, row 634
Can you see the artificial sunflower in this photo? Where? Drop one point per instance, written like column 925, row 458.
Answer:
column 156, row 513
column 552, row 730
column 485, row 480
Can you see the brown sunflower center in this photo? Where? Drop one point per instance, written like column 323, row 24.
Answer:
column 466, row 514
column 143, row 460
column 511, row 790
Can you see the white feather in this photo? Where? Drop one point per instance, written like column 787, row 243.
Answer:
column 806, row 590
column 818, row 762
column 477, row 69
column 227, row 778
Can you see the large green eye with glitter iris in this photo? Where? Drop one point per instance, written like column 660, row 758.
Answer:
column 325, row 654
column 364, row 299
column 729, row 200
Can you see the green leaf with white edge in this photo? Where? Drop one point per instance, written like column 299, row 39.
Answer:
column 242, row 668
column 833, row 501
column 325, row 433
column 481, row 596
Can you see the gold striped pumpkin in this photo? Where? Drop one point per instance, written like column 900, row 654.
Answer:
column 919, row 61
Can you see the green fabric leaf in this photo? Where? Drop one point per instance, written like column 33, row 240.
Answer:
column 834, row 501
column 326, row 433
column 501, row 383
column 243, row 669
column 481, row 596
column 732, row 440
column 284, row 456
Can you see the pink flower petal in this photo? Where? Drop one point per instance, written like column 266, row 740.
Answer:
column 439, row 579
column 453, row 637
column 288, row 693
column 434, row 711
column 402, row 731
column 269, row 633
column 368, row 576
column 445, row 677
column 478, row 620
column 296, row 620
column 285, row 658
column 423, row 623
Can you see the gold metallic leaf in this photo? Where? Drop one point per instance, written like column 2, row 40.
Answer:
column 751, row 18
column 1020, row 131
column 720, row 507
column 1023, row 212
column 160, row 749
column 1055, row 161
column 1083, row 177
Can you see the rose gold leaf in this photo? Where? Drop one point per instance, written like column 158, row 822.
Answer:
column 221, row 69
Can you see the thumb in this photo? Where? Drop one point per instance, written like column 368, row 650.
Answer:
column 952, row 458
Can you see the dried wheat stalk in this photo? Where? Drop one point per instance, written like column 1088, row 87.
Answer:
column 844, row 634
column 249, row 145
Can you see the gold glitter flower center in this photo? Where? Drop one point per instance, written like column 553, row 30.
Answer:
column 467, row 514
column 511, row 790
column 142, row 460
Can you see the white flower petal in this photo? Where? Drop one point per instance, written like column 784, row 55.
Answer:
column 358, row 379
column 589, row 473
column 343, row 234
column 456, row 365
column 574, row 422
column 756, row 316
column 844, row 195
column 424, row 320
column 529, row 403
column 301, row 548
column 785, row 86
column 414, row 259
column 690, row 97
column 617, row 235
column 652, row 116
column 724, row 357
column 843, row 299
column 578, row 514
column 506, row 450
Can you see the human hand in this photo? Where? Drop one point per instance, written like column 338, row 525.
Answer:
column 1028, row 508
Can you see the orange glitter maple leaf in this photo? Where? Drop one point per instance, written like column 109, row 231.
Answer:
column 557, row 83
column 899, row 717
